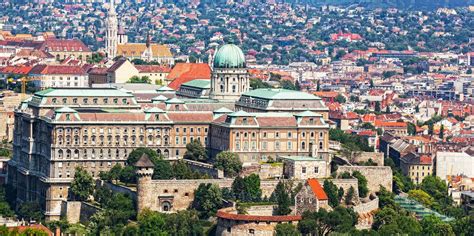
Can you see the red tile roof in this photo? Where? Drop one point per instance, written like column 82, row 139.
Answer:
column 317, row 189
column 64, row 45
column 153, row 69
column 379, row 123
column 185, row 72
column 18, row 70
column 34, row 226
column 57, row 70
column 276, row 121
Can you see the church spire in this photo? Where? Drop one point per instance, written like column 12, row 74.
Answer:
column 111, row 32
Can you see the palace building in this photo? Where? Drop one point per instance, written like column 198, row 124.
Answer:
column 58, row 130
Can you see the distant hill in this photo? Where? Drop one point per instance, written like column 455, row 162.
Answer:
column 402, row 4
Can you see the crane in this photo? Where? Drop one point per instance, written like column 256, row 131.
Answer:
column 24, row 80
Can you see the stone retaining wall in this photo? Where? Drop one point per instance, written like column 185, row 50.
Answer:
column 375, row 175
column 205, row 168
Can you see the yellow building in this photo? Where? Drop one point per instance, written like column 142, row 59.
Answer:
column 416, row 166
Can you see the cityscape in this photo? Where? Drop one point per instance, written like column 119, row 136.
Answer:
column 236, row 117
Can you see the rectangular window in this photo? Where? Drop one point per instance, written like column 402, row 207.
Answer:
column 177, row 140
column 264, row 145
column 316, row 169
column 289, row 146
column 184, row 140
column 303, row 170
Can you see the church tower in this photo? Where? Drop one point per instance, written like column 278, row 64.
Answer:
column 111, row 32
column 229, row 77
column 122, row 35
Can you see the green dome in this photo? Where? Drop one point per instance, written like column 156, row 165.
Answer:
column 229, row 56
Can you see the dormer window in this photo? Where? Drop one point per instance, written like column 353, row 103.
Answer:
column 74, row 100
column 68, row 117
column 311, row 121
column 124, row 101
column 244, row 121
column 54, row 100
column 94, row 100
column 85, row 100
column 106, row 100
column 64, row 100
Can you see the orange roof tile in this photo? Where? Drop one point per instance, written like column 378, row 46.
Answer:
column 317, row 189
column 185, row 72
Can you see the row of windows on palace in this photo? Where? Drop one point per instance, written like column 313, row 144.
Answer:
column 141, row 130
column 104, row 153
column 125, row 140
column 277, row 135
column 85, row 131
column 101, row 140
column 264, row 145
column 86, row 101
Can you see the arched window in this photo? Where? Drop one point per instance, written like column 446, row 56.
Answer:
column 60, row 153
column 166, row 153
column 166, row 206
column 303, row 145
column 76, row 154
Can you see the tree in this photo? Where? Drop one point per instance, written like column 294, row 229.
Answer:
column 195, row 151
column 82, row 186
column 333, row 193
column 252, row 188
column 228, row 162
column 30, row 211
column 353, row 98
column 411, row 128
column 432, row 225
column 151, row 223
column 162, row 170
column 362, row 182
column 377, row 107
column 127, row 175
column 258, row 83
column 441, row 132
column 135, row 79
column 341, row 220
column 183, row 223
column 247, row 189
column 349, row 196
column 282, row 199
column 422, row 197
column 287, row 84
column 114, row 172
column 340, row 99
column 286, row 229
column 5, row 209
column 207, row 200
column 137, row 153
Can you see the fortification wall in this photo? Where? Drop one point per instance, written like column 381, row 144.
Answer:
column 375, row 175
column 376, row 157
column 180, row 193
column 75, row 211
column 205, row 168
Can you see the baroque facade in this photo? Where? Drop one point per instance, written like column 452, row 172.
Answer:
column 58, row 130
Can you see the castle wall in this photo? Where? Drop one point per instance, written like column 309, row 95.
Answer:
column 375, row 175
column 205, row 168
column 376, row 157
column 157, row 194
